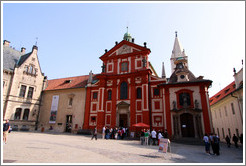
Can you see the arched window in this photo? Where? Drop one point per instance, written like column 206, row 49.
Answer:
column 184, row 99
column 26, row 114
column 139, row 93
column 123, row 90
column 109, row 94
column 17, row 114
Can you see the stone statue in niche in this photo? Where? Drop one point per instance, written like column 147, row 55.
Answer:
column 196, row 104
column 185, row 101
column 103, row 68
column 174, row 105
column 144, row 62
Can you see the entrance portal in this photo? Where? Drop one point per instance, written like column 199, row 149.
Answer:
column 68, row 123
column 123, row 120
column 187, row 125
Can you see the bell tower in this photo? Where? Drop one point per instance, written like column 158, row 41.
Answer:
column 178, row 55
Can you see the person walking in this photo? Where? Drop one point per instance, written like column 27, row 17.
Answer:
column 159, row 136
column 6, row 127
column 94, row 134
column 228, row 141
column 235, row 140
column 153, row 135
column 103, row 132
column 241, row 138
column 207, row 144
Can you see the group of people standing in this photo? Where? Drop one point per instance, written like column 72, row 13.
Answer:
column 148, row 137
column 112, row 133
column 213, row 140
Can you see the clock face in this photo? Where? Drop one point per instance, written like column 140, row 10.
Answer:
column 180, row 66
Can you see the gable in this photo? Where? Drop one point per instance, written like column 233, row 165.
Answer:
column 123, row 48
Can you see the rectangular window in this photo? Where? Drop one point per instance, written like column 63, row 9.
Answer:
column 225, row 111
column 124, row 66
column 229, row 132
column 223, row 132
column 22, row 91
column 70, row 103
column 30, row 92
column 218, row 132
column 156, row 91
column 26, row 114
column 237, row 133
column 94, row 95
column 215, row 114
column 232, row 108
column 220, row 112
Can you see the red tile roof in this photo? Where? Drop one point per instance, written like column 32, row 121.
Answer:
column 223, row 93
column 67, row 83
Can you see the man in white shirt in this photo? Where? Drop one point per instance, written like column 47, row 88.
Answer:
column 153, row 135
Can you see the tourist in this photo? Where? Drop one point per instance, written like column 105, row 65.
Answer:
column 94, row 134
column 146, row 137
column 6, row 127
column 116, row 133
column 235, row 140
column 107, row 133
column 142, row 136
column 165, row 135
column 212, row 142
column 241, row 138
column 207, row 144
column 103, row 132
column 159, row 136
column 153, row 135
column 228, row 141
column 216, row 144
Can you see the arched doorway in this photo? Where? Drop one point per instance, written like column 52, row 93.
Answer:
column 187, row 125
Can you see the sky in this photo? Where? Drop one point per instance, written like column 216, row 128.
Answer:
column 72, row 36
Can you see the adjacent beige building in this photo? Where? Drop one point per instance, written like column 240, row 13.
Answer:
column 63, row 104
column 22, row 87
column 227, row 108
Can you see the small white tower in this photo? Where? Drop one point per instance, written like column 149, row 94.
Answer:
column 178, row 54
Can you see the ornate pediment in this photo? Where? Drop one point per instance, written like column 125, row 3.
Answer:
column 125, row 49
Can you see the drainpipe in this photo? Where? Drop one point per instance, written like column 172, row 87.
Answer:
column 238, row 106
column 40, row 103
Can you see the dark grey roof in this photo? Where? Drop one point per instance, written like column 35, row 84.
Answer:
column 174, row 78
column 12, row 57
column 23, row 58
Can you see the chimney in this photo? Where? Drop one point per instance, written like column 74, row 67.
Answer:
column 6, row 43
column 34, row 49
column 23, row 50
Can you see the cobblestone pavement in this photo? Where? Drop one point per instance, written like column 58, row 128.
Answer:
column 42, row 148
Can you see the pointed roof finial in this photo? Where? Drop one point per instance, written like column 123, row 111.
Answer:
column 36, row 43
column 176, row 34
column 127, row 29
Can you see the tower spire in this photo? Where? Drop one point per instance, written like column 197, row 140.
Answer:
column 163, row 75
column 176, row 34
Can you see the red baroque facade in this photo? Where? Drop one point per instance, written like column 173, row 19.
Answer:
column 128, row 91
